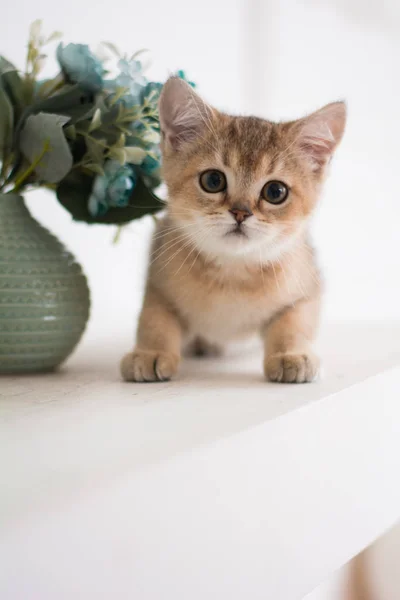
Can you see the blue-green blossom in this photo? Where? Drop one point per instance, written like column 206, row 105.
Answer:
column 80, row 66
column 150, row 165
column 113, row 189
column 150, row 169
column 131, row 78
column 182, row 75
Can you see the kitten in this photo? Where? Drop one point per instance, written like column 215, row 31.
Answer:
column 232, row 255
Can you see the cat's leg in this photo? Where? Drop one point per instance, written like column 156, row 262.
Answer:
column 200, row 348
column 157, row 353
column 289, row 356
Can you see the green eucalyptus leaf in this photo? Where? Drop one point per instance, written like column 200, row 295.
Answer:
column 96, row 120
column 134, row 154
column 39, row 130
column 119, row 92
column 95, row 150
column 6, row 66
column 118, row 154
column 73, row 193
column 95, row 168
column 6, row 123
column 14, row 88
column 71, row 102
column 70, row 132
column 50, row 86
column 56, row 35
column 35, row 30
column 110, row 115
column 101, row 104
column 120, row 143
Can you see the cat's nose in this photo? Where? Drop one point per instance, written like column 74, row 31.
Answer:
column 240, row 213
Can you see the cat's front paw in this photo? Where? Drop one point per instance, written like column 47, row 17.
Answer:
column 291, row 368
column 149, row 365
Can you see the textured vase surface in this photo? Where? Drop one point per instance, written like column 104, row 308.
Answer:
column 44, row 296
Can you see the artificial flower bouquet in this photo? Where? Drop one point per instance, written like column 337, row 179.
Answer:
column 90, row 136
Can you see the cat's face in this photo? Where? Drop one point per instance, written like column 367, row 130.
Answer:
column 242, row 186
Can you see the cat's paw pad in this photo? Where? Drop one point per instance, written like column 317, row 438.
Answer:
column 149, row 365
column 291, row 368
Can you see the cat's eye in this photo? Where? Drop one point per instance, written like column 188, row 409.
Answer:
column 213, row 181
column 275, row 192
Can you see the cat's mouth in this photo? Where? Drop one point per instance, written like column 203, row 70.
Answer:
column 236, row 231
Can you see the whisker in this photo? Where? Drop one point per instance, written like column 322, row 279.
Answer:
column 189, row 237
column 194, row 261
column 167, row 246
column 262, row 270
column 170, row 230
column 185, row 245
column 191, row 251
column 276, row 278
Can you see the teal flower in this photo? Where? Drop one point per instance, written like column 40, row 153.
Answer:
column 132, row 78
column 150, row 169
column 80, row 66
column 113, row 189
column 150, row 165
column 182, row 75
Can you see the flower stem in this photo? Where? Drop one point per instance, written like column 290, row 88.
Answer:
column 117, row 235
column 22, row 178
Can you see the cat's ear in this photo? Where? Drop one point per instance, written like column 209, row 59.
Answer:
column 183, row 114
column 320, row 133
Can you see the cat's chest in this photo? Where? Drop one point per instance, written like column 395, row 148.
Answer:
column 225, row 312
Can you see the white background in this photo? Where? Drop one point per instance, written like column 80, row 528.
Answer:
column 278, row 59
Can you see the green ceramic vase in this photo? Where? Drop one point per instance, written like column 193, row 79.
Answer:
column 44, row 296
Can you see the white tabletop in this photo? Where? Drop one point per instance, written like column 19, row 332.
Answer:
column 216, row 485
